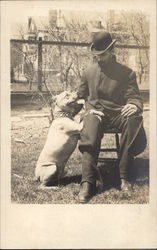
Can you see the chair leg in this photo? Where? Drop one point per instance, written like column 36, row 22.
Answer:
column 117, row 144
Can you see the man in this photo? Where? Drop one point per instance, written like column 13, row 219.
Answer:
column 111, row 89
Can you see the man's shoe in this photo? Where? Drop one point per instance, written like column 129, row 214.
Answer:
column 86, row 192
column 125, row 185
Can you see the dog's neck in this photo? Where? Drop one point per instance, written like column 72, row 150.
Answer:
column 59, row 113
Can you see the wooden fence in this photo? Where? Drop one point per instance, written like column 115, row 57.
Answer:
column 41, row 42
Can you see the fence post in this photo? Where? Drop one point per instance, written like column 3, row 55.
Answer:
column 40, row 64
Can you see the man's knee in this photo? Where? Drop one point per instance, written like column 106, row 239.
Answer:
column 91, row 134
column 131, row 121
column 93, row 126
column 134, row 118
column 92, row 122
column 136, row 135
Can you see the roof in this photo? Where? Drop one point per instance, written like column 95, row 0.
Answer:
column 40, row 22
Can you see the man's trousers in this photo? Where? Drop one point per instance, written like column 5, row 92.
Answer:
column 132, row 142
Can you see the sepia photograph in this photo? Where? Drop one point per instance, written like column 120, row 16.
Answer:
column 80, row 114
column 80, row 107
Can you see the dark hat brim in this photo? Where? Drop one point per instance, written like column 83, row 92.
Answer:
column 99, row 52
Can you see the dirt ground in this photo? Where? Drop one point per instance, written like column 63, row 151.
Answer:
column 28, row 134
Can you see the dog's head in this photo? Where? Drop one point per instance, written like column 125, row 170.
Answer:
column 67, row 102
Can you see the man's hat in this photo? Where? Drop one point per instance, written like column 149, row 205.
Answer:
column 102, row 41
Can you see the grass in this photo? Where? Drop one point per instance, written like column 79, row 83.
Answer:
column 28, row 136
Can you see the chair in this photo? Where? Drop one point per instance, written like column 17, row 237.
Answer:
column 116, row 149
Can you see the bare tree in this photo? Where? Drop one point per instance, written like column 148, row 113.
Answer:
column 130, row 28
column 140, row 32
column 136, row 27
column 28, row 59
column 69, row 58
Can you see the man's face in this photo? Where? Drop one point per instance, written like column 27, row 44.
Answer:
column 105, row 57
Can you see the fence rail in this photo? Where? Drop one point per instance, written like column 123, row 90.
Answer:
column 80, row 44
column 41, row 42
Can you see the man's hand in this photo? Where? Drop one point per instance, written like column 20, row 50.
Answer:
column 129, row 109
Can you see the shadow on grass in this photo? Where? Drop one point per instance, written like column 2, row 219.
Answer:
column 139, row 174
column 71, row 179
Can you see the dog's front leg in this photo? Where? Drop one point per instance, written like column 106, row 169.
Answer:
column 72, row 127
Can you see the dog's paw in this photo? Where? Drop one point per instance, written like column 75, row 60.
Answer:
column 80, row 101
column 44, row 187
column 96, row 112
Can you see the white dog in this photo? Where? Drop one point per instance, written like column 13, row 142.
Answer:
column 61, row 140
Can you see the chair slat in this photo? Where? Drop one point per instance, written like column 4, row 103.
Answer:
column 116, row 132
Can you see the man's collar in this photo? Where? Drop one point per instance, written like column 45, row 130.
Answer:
column 109, row 63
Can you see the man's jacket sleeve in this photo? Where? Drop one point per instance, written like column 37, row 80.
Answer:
column 83, row 88
column 132, row 94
